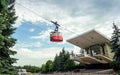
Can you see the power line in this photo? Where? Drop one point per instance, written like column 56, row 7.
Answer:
column 41, row 16
column 33, row 12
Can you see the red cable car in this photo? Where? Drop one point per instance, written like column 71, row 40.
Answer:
column 56, row 36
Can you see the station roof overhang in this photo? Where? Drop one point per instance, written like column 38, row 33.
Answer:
column 90, row 38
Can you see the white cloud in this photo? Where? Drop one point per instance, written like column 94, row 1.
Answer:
column 38, row 56
column 35, row 11
column 31, row 30
column 42, row 35
column 75, row 18
column 25, row 13
column 27, row 56
column 27, row 45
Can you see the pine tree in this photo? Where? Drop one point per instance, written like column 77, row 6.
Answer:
column 7, row 19
column 115, row 42
column 62, row 62
column 55, row 63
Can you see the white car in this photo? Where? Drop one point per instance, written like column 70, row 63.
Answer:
column 22, row 72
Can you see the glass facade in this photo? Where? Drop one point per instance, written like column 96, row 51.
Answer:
column 95, row 49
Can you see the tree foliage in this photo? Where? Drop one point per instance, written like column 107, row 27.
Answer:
column 48, row 67
column 32, row 69
column 43, row 68
column 61, row 63
column 7, row 18
column 115, row 42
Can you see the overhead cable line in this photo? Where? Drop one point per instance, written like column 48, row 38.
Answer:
column 33, row 12
column 41, row 16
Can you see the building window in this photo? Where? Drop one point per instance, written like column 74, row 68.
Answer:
column 96, row 49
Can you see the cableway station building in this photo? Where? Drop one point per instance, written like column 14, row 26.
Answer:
column 95, row 49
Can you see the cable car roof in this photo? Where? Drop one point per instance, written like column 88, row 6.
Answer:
column 88, row 39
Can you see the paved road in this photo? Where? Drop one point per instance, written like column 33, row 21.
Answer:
column 71, row 74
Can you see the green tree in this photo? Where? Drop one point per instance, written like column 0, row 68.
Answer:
column 62, row 62
column 32, row 69
column 115, row 42
column 56, row 63
column 49, row 66
column 43, row 68
column 7, row 19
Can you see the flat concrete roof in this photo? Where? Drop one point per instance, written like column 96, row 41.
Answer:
column 88, row 39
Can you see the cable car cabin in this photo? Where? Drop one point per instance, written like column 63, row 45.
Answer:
column 56, row 36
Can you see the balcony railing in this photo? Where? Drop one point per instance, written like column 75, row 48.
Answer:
column 86, row 58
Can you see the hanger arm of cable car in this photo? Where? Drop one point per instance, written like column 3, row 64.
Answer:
column 55, row 23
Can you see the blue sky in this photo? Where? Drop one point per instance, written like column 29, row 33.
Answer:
column 75, row 16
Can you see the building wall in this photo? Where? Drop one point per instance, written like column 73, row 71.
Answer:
column 108, row 51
